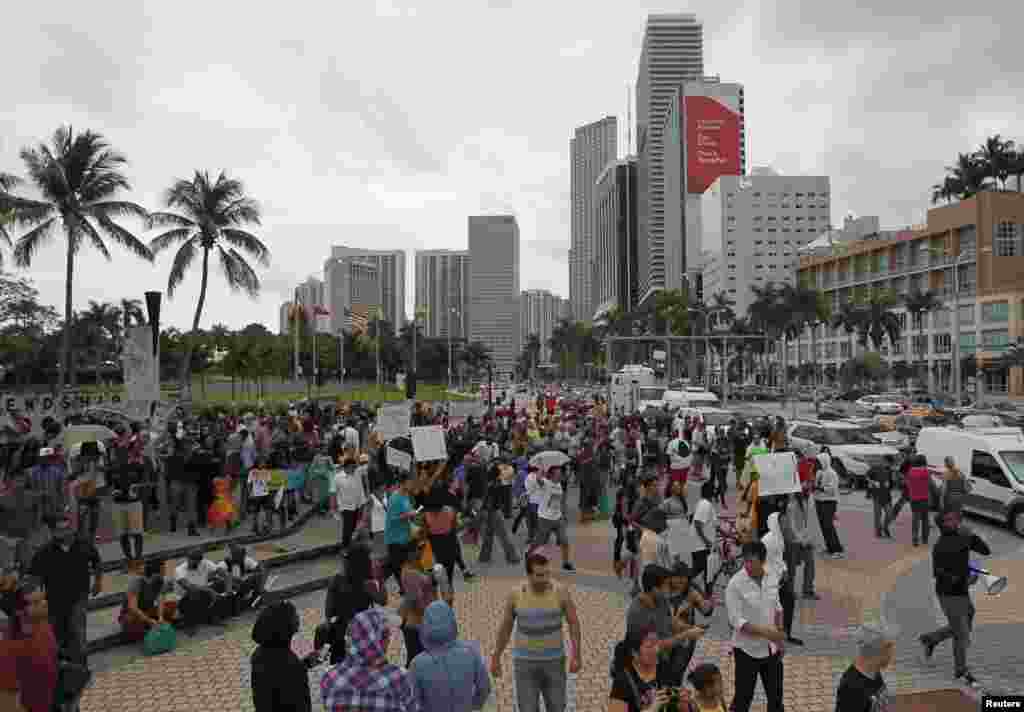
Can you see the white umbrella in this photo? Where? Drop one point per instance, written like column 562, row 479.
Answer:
column 548, row 459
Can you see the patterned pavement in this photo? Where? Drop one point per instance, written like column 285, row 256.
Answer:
column 211, row 671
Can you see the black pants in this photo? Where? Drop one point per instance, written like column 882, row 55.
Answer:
column 197, row 607
column 413, row 645
column 349, row 519
column 788, row 600
column 748, row 669
column 620, row 539
column 826, row 519
column 920, row 526
column 672, row 667
column 396, row 557
column 130, row 552
column 700, row 565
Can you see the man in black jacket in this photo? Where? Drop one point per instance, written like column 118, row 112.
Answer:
column 951, row 564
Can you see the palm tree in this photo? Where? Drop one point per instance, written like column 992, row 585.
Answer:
column 766, row 313
column 918, row 304
column 7, row 183
column 531, row 353
column 968, row 174
column 948, row 189
column 131, row 312
column 807, row 307
column 1015, row 167
column 78, row 177
column 214, row 215
column 995, row 155
column 100, row 325
column 880, row 319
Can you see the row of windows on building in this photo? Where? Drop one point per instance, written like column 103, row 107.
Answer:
column 991, row 313
column 917, row 346
column 785, row 218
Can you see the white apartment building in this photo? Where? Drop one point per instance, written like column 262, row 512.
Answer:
column 754, row 228
column 590, row 149
column 540, row 313
column 494, row 310
column 673, row 51
column 352, row 291
column 442, row 292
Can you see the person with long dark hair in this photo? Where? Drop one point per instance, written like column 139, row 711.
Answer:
column 635, row 686
column 352, row 590
column 280, row 680
column 28, row 671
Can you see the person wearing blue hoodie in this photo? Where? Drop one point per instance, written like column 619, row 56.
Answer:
column 441, row 672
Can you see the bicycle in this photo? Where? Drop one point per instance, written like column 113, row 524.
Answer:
column 728, row 550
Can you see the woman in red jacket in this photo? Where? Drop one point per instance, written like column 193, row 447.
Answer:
column 30, row 653
column 919, row 489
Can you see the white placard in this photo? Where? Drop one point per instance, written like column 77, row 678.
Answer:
column 393, row 420
column 428, row 443
column 400, row 459
column 465, row 409
column 778, row 474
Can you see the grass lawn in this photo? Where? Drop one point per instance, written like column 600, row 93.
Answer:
column 369, row 394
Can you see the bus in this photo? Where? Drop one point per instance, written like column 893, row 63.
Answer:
column 631, row 385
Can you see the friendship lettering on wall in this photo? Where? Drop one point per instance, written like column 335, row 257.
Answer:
column 30, row 405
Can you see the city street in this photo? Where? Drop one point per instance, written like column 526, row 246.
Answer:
column 881, row 580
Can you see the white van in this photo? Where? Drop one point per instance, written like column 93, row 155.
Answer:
column 992, row 459
column 689, row 398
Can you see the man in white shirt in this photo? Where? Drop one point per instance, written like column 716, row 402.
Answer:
column 551, row 514
column 485, row 451
column 680, row 457
column 198, row 599
column 351, row 499
column 350, row 437
column 758, row 638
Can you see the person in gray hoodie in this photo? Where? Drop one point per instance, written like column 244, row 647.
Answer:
column 449, row 675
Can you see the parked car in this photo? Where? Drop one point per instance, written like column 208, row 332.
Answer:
column 854, row 449
column 887, row 404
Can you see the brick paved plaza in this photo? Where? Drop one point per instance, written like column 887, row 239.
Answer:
column 881, row 579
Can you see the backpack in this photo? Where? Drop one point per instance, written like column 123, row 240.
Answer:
column 683, row 450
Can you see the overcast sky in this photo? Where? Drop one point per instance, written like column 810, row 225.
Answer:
column 386, row 124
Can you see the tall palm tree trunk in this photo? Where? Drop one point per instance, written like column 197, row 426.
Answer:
column 65, row 338
column 186, row 385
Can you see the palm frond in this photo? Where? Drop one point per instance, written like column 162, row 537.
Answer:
column 161, row 219
column 243, row 211
column 161, row 242
column 29, row 243
column 239, row 274
column 124, row 238
column 119, row 209
column 182, row 261
column 86, row 227
column 249, row 243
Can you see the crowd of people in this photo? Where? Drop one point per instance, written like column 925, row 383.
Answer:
column 411, row 523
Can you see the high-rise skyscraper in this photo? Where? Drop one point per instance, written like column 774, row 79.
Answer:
column 591, row 147
column 540, row 313
column 615, row 262
column 442, row 292
column 352, row 292
column 494, row 309
column 310, row 294
column 704, row 139
column 673, row 51
column 391, row 275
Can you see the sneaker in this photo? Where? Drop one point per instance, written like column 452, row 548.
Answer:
column 928, row 649
column 569, row 567
column 467, row 575
column 839, row 555
column 967, row 678
column 794, row 641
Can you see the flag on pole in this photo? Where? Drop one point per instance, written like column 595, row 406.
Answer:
column 321, row 310
column 359, row 318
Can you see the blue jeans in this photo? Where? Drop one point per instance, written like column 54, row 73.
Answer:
column 536, row 678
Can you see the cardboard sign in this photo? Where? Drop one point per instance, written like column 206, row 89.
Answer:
column 399, row 459
column 466, row 409
column 393, row 420
column 428, row 443
column 778, row 474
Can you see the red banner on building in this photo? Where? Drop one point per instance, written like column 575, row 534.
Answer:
column 712, row 142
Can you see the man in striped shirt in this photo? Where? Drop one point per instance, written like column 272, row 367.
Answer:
column 536, row 612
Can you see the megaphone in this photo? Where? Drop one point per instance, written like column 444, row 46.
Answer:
column 994, row 585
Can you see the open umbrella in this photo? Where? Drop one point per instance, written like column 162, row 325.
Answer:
column 75, row 434
column 549, row 458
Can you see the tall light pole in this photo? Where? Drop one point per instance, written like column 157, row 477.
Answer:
column 416, row 314
column 376, row 318
column 451, row 311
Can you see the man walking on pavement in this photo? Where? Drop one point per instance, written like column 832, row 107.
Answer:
column 65, row 566
column 951, row 565
column 536, row 612
column 552, row 515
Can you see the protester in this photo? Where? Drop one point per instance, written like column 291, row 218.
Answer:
column 826, row 503
column 758, row 638
column 28, row 657
column 536, row 612
column 420, row 591
column 955, row 486
column 350, row 592
column 880, row 490
column 280, row 680
column 709, row 690
column 635, row 685
column 144, row 607
column 551, row 515
column 198, row 603
column 952, row 569
column 494, row 522
column 351, row 498
column 799, row 511
column 243, row 578
column 779, row 573
column 862, row 687
column 65, row 567
column 919, row 489
column 365, row 680
column 705, row 530
column 449, row 675
column 398, row 529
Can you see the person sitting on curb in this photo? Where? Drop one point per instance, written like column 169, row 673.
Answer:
column 199, row 603
column 145, row 608
column 242, row 577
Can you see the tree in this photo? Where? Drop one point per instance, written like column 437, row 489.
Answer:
column 98, row 327
column 948, row 189
column 995, row 156
column 919, row 304
column 7, row 183
column 26, row 329
column 530, row 356
column 131, row 313
column 1015, row 167
column 213, row 215
column 476, row 356
column 880, row 320
column 968, row 175
column 807, row 307
column 78, row 177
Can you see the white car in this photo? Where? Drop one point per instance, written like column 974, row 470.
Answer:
column 887, row 404
column 854, row 449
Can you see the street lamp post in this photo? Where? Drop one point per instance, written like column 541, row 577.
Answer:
column 451, row 311
column 415, row 366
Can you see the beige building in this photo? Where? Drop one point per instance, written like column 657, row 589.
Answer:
column 982, row 238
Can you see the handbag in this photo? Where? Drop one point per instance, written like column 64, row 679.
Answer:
column 160, row 639
column 72, row 679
